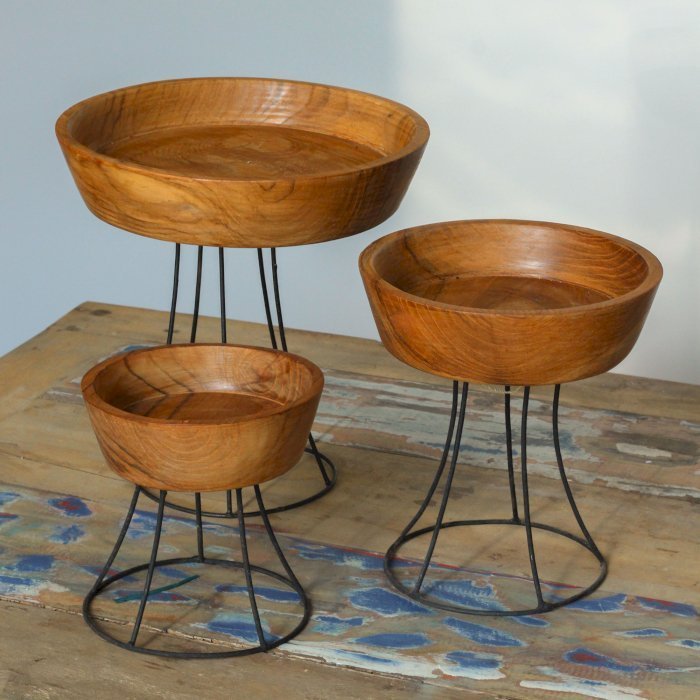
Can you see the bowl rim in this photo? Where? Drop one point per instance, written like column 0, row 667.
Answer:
column 91, row 396
column 650, row 281
column 417, row 142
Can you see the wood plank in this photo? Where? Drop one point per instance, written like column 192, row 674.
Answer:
column 46, row 446
column 34, row 666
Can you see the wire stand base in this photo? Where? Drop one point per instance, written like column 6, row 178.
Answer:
column 326, row 469
column 416, row 590
column 265, row 643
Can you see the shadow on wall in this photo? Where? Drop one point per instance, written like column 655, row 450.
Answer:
column 579, row 113
column 665, row 179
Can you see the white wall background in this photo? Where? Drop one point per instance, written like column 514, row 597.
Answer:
column 580, row 111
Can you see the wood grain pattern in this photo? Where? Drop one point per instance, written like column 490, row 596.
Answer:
column 241, row 162
column 202, row 417
column 47, row 446
column 509, row 302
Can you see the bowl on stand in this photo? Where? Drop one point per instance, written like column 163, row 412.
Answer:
column 515, row 303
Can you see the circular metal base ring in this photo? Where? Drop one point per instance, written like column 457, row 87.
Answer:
column 91, row 620
column 254, row 513
column 546, row 606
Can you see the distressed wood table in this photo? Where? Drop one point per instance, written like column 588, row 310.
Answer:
column 634, row 444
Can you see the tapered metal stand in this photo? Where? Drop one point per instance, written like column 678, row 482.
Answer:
column 104, row 581
column 417, row 588
column 326, row 469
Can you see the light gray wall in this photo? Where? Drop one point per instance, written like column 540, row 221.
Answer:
column 580, row 112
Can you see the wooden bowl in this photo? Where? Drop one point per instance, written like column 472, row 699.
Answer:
column 509, row 302
column 202, row 417
column 241, row 162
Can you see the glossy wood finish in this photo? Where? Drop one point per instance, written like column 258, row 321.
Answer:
column 242, row 162
column 202, row 417
column 48, row 449
column 509, row 302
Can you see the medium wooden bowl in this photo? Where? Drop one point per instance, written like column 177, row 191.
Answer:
column 242, row 162
column 202, row 417
column 509, row 302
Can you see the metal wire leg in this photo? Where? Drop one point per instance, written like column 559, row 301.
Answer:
column 446, row 492
column 246, row 570
column 117, row 544
column 526, row 500
column 222, row 295
column 151, row 568
column 565, row 482
column 266, row 300
column 430, row 595
column 197, row 293
column 104, row 581
column 509, row 456
column 325, row 466
column 440, row 468
column 283, row 341
column 200, row 529
column 271, row 536
column 173, row 302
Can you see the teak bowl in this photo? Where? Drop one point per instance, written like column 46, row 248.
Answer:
column 202, row 417
column 509, row 302
column 242, row 162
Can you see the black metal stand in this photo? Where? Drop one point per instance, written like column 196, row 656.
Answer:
column 104, row 581
column 457, row 417
column 326, row 468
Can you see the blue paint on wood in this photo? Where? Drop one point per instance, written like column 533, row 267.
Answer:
column 608, row 604
column 277, row 595
column 33, row 562
column 361, row 656
column 367, row 561
column 67, row 535
column 386, row 603
column 162, row 594
column 668, row 606
column 238, row 626
column 688, row 643
column 12, row 581
column 465, row 592
column 72, row 506
column 476, row 661
column 482, row 634
column 530, row 621
column 395, row 640
column 592, row 659
column 8, row 497
column 643, row 632
column 330, row 624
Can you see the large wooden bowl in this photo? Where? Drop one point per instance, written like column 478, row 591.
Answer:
column 509, row 302
column 242, row 162
column 202, row 417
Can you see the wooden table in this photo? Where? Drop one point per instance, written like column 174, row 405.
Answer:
column 631, row 445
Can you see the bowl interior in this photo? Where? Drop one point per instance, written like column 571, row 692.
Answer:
column 243, row 128
column 510, row 266
column 205, row 383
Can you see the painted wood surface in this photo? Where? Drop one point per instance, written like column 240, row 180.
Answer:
column 636, row 638
column 509, row 302
column 242, row 162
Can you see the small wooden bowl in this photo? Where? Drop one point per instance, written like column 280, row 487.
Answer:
column 509, row 302
column 202, row 417
column 242, row 162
